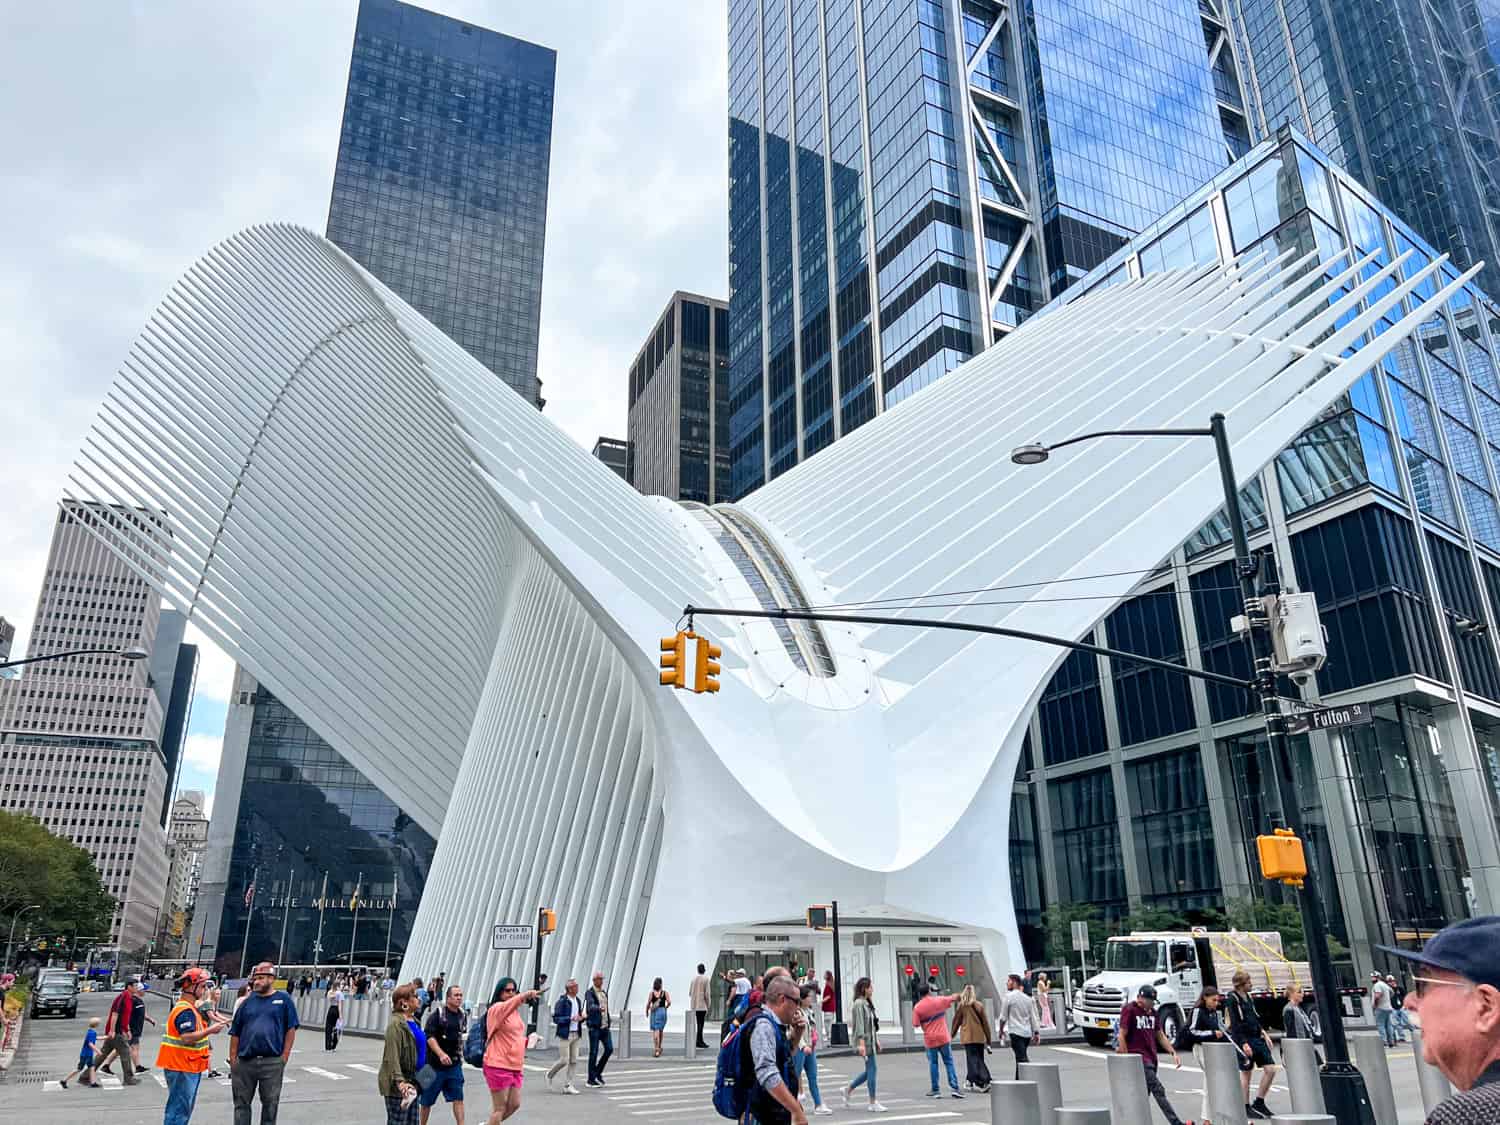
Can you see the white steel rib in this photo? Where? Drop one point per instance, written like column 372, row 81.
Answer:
column 466, row 604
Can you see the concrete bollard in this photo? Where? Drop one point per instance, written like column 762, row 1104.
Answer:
column 1015, row 1103
column 1368, row 1053
column 1221, row 1078
column 1304, row 1119
column 1434, row 1086
column 1301, row 1059
column 1127, row 1088
column 908, row 1033
column 689, row 1035
column 1083, row 1115
column 1048, row 1079
column 989, row 1012
column 622, row 1034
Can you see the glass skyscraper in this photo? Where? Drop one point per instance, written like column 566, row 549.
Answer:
column 441, row 184
column 1405, row 94
column 679, row 403
column 910, row 179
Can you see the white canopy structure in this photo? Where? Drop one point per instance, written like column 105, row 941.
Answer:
column 467, row 605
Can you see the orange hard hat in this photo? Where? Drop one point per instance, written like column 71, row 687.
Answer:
column 193, row 977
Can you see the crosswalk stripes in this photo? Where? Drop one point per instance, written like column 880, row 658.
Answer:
column 363, row 1067
column 321, row 1073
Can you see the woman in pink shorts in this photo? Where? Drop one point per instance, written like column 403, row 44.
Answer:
column 505, row 1049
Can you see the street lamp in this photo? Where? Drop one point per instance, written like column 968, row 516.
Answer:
column 16, row 917
column 1343, row 1086
column 134, row 652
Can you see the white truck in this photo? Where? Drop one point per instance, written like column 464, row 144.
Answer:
column 1179, row 965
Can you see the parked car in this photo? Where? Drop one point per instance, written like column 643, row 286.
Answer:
column 55, row 997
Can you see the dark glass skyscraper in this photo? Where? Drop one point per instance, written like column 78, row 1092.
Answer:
column 1405, row 94
column 441, row 184
column 910, row 179
column 679, row 403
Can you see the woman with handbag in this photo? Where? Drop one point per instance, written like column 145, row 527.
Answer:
column 972, row 1026
column 657, row 1004
column 403, row 1061
column 1204, row 1025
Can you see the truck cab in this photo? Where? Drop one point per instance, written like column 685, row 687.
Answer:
column 1176, row 965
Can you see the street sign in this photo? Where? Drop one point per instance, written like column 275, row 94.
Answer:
column 1081, row 937
column 511, row 937
column 1330, row 718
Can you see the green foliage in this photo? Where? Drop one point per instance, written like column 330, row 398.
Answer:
column 39, row 868
column 1258, row 914
column 1057, row 924
column 1150, row 919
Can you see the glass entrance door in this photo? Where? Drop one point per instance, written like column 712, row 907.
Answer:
column 754, row 962
column 953, row 970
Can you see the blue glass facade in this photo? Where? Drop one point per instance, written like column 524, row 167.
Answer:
column 440, row 188
column 1405, row 94
column 307, row 816
column 910, row 179
column 1385, row 509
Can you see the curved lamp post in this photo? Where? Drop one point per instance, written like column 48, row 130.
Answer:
column 16, row 917
column 134, row 652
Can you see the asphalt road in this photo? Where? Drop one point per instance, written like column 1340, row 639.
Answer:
column 339, row 1088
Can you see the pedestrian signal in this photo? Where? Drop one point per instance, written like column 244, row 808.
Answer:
column 546, row 922
column 818, row 918
column 707, row 678
column 1282, row 857
column 674, row 660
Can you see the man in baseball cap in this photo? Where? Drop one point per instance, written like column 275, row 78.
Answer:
column 1457, row 1001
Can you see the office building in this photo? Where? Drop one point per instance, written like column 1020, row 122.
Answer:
column 527, row 662
column 1142, row 790
column 187, row 837
column 81, row 738
column 907, row 188
column 1405, row 94
column 440, row 189
column 309, row 850
column 679, row 403
column 614, row 453
column 174, row 676
column 7, row 638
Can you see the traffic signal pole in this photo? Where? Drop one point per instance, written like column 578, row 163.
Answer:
column 1344, row 1092
column 838, row 1034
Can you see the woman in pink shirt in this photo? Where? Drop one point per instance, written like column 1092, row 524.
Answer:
column 505, row 1048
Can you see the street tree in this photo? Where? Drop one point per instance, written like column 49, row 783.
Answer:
column 40, row 868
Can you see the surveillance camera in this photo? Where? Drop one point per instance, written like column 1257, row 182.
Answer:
column 1301, row 676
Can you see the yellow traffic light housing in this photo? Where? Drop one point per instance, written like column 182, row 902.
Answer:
column 818, row 918
column 674, row 660
column 1282, row 857
column 546, row 922
column 707, row 678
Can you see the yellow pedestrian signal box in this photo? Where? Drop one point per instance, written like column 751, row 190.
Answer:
column 707, row 678
column 674, row 660
column 546, row 922
column 1282, row 857
column 818, row 918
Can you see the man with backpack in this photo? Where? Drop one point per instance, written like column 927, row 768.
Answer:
column 755, row 1082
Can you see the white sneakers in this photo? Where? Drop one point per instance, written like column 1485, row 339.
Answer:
column 570, row 1089
column 823, row 1111
column 876, row 1107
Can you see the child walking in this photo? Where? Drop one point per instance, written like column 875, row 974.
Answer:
column 86, row 1055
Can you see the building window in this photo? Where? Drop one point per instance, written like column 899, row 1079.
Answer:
column 1086, row 841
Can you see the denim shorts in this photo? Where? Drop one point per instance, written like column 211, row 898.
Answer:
column 449, row 1084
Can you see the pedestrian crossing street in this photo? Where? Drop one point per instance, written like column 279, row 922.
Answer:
column 680, row 1094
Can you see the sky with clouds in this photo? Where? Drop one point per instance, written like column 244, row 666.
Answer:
column 140, row 134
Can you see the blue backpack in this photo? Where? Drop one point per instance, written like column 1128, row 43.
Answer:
column 734, row 1077
column 477, row 1040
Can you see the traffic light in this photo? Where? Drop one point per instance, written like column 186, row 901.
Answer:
column 674, row 660
column 546, row 922
column 707, row 678
column 817, row 918
column 1282, row 857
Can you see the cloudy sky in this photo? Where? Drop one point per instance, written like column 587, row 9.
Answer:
column 140, row 133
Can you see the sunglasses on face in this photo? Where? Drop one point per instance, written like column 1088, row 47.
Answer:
column 1423, row 983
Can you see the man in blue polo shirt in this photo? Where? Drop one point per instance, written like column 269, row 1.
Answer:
column 260, row 1042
